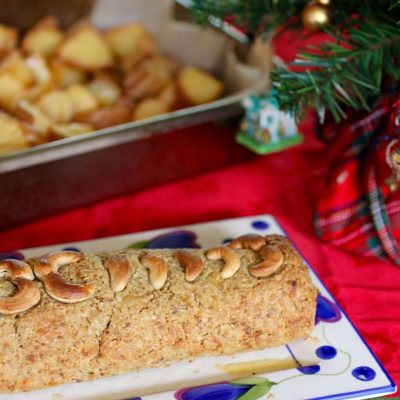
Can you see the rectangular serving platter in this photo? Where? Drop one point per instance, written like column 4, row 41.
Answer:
column 334, row 363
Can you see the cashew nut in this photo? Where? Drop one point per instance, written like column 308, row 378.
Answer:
column 28, row 294
column 56, row 286
column 49, row 262
column 273, row 259
column 229, row 257
column 158, row 270
column 250, row 241
column 192, row 263
column 118, row 269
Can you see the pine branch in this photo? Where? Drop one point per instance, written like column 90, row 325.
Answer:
column 255, row 16
column 348, row 72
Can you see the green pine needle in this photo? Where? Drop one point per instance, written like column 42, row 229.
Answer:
column 343, row 73
column 350, row 70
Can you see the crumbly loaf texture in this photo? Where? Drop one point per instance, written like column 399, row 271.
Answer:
column 115, row 333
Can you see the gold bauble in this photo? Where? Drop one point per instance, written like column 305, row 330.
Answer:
column 315, row 14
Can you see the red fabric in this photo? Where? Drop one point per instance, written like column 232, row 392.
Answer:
column 286, row 185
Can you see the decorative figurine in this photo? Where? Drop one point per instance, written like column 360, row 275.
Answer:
column 265, row 128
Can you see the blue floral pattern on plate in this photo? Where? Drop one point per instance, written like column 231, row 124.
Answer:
column 217, row 391
column 16, row 255
column 170, row 240
column 327, row 310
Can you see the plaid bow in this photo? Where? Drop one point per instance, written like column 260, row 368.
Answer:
column 360, row 211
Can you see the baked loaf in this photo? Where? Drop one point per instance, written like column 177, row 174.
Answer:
column 85, row 316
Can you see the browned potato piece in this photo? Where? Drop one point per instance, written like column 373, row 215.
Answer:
column 33, row 93
column 15, row 65
column 198, row 87
column 13, row 135
column 149, row 78
column 86, row 49
column 11, row 88
column 146, row 48
column 169, row 95
column 119, row 113
column 125, row 39
column 149, row 108
column 106, row 91
column 35, row 119
column 82, row 99
column 57, row 105
column 79, row 25
column 61, row 131
column 66, row 75
column 39, row 68
column 44, row 38
column 8, row 39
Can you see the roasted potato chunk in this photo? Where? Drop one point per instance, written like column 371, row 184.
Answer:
column 44, row 38
column 39, row 68
column 35, row 119
column 10, row 90
column 66, row 75
column 119, row 113
column 15, row 65
column 146, row 48
column 86, row 49
column 149, row 78
column 57, row 105
column 198, row 87
column 106, row 91
column 61, row 131
column 169, row 95
column 82, row 99
column 8, row 39
column 124, row 40
column 12, row 135
column 33, row 93
column 149, row 108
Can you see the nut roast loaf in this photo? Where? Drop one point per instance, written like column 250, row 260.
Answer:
column 70, row 317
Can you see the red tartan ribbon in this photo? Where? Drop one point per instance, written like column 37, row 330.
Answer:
column 359, row 212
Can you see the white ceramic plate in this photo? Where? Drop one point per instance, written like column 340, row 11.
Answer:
column 335, row 363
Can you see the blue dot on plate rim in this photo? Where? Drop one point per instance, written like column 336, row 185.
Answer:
column 71, row 248
column 310, row 369
column 326, row 352
column 260, row 225
column 364, row 373
column 16, row 255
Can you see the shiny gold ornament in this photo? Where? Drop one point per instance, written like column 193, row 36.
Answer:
column 315, row 14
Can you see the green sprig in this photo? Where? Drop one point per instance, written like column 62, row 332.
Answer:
column 342, row 73
column 349, row 70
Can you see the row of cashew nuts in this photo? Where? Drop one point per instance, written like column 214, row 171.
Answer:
column 61, row 290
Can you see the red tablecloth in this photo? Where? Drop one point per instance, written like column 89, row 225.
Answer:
column 286, row 185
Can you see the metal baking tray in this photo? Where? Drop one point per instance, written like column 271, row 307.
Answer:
column 70, row 172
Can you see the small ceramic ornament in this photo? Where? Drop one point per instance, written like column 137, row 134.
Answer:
column 265, row 128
